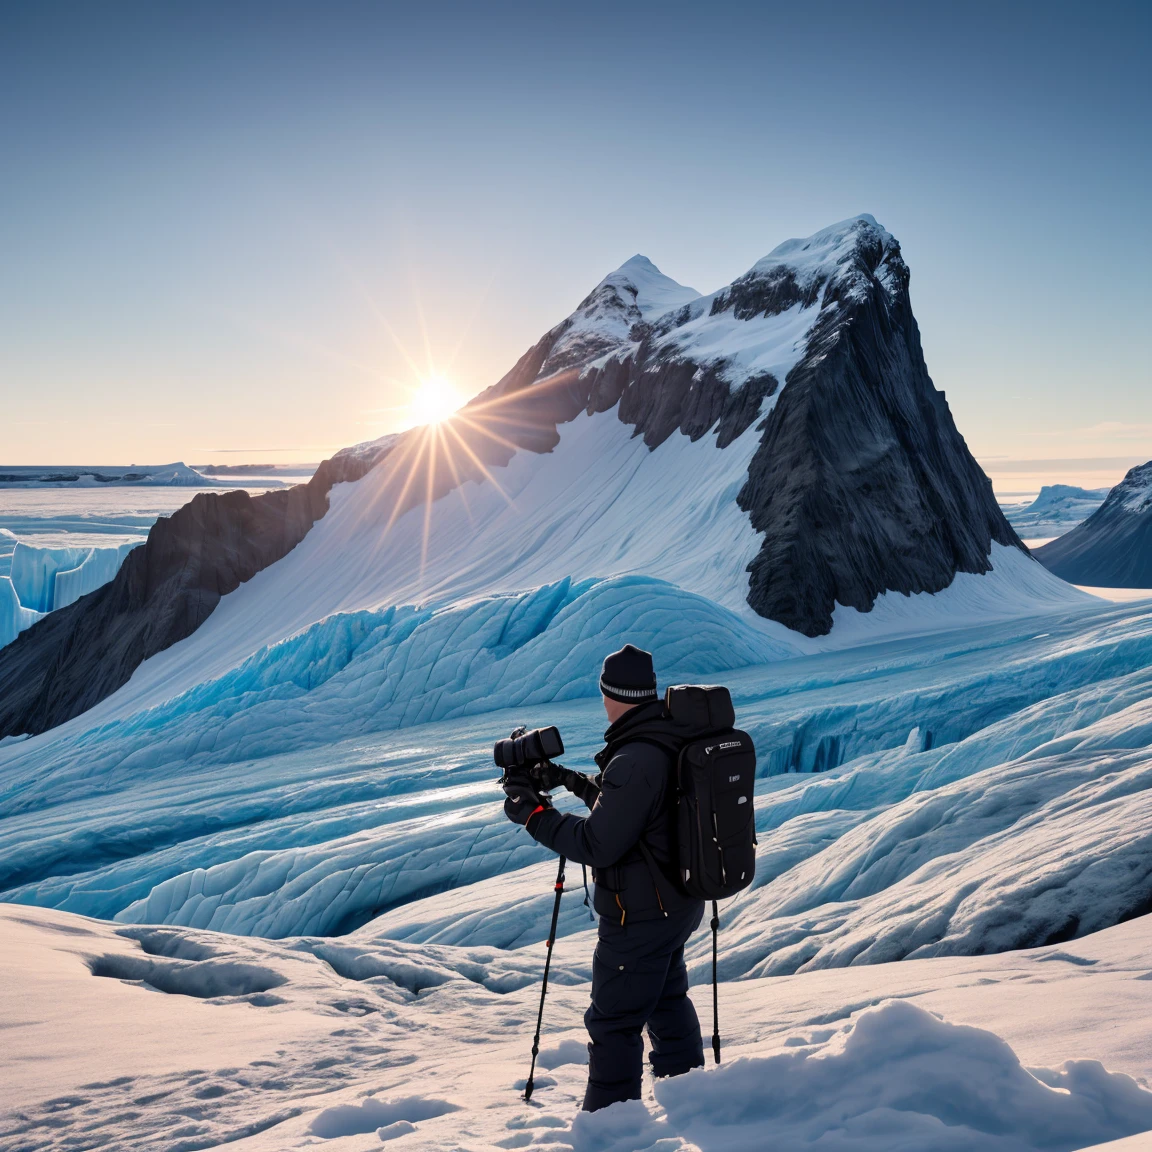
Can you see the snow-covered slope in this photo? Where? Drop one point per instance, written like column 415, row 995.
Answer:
column 1113, row 547
column 1058, row 509
column 142, row 1037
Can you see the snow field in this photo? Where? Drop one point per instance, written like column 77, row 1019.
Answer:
column 206, row 1038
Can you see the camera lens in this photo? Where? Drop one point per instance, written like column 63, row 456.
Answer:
column 539, row 744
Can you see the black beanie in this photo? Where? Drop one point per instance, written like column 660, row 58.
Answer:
column 628, row 676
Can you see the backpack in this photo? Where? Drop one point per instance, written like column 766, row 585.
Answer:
column 713, row 817
column 715, row 775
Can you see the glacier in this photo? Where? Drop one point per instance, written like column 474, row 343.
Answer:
column 301, row 794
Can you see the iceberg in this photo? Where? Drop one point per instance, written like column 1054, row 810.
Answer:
column 47, row 578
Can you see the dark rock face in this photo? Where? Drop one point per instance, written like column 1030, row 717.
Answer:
column 1113, row 547
column 164, row 591
column 862, row 483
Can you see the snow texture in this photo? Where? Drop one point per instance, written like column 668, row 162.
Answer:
column 900, row 1079
column 180, row 1038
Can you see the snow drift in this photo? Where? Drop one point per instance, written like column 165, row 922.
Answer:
column 196, row 1037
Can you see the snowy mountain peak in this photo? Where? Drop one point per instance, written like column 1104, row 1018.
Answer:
column 636, row 292
column 830, row 246
column 849, row 256
column 1134, row 492
column 651, row 292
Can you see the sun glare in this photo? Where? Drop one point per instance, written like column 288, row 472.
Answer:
column 433, row 400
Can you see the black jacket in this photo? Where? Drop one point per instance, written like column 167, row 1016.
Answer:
column 635, row 802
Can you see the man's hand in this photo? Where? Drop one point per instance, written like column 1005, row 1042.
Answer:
column 523, row 803
column 581, row 786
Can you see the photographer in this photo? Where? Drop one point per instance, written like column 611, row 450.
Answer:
column 638, row 973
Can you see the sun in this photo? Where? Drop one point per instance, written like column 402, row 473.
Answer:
column 433, row 399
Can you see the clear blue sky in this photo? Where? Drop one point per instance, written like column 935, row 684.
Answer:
column 219, row 222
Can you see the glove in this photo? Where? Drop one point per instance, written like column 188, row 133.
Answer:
column 546, row 775
column 582, row 787
column 523, row 803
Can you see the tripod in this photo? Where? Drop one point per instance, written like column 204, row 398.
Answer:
column 531, row 1082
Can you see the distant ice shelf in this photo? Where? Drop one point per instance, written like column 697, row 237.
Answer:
column 1058, row 509
column 177, row 475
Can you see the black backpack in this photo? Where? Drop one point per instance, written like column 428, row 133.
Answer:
column 711, row 793
column 715, row 775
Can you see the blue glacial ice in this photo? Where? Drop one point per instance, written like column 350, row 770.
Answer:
column 917, row 794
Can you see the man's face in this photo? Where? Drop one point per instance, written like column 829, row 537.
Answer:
column 615, row 709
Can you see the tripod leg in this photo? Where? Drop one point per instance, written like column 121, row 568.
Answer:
column 715, row 989
column 531, row 1083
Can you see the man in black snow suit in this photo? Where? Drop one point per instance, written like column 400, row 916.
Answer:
column 638, row 973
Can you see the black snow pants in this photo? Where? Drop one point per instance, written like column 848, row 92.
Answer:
column 638, row 979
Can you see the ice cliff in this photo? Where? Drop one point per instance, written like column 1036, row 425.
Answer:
column 36, row 579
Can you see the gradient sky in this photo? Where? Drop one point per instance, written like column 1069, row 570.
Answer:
column 226, row 228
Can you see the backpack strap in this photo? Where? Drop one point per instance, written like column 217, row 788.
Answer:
column 658, row 877
column 654, row 872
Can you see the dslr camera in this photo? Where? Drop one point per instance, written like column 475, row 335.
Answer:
column 526, row 758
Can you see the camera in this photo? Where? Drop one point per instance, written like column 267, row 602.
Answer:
column 528, row 755
column 524, row 747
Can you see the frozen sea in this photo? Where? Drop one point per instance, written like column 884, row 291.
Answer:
column 97, row 517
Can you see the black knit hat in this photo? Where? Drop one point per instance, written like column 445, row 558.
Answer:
column 628, row 676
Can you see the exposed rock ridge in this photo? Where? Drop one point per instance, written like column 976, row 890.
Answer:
column 1113, row 547
column 862, row 484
